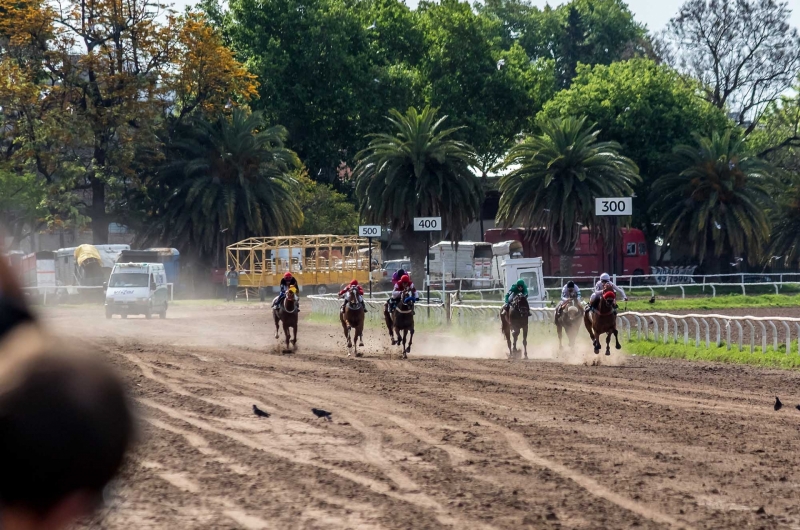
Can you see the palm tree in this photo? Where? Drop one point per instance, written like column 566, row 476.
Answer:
column 554, row 179
column 786, row 226
column 229, row 179
column 417, row 170
column 714, row 199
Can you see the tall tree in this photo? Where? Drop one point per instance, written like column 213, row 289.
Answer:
column 744, row 52
column 325, row 210
column 785, row 235
column 417, row 170
column 555, row 177
column 226, row 180
column 94, row 81
column 715, row 199
column 646, row 107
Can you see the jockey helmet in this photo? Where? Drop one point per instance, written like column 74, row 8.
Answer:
column 609, row 295
column 354, row 282
column 605, row 277
column 288, row 275
column 570, row 285
column 405, row 279
column 521, row 284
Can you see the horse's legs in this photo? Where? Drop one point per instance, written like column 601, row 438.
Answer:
column 286, row 333
column 608, row 342
column 346, row 329
column 558, row 330
column 506, row 329
column 515, row 333
column 616, row 339
column 525, row 339
column 405, row 334
column 410, row 341
column 277, row 323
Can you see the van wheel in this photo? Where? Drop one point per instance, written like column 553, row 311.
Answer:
column 163, row 314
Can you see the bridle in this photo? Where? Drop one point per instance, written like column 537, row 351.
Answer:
column 402, row 302
column 352, row 299
column 289, row 297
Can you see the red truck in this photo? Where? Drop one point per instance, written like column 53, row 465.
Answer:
column 591, row 258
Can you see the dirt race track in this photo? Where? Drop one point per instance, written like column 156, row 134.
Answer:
column 435, row 442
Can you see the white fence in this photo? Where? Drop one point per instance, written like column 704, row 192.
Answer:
column 699, row 330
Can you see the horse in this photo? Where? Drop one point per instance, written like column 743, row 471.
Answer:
column 401, row 319
column 603, row 320
column 569, row 319
column 514, row 320
column 352, row 317
column 286, row 312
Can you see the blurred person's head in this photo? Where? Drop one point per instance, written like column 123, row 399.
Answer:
column 65, row 422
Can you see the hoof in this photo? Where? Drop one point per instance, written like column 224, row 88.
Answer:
column 608, row 352
column 348, row 354
column 597, row 352
column 619, row 346
column 359, row 354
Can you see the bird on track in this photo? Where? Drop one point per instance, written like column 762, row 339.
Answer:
column 797, row 407
column 319, row 413
column 778, row 403
column 652, row 300
column 260, row 413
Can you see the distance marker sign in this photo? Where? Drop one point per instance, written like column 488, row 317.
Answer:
column 369, row 231
column 617, row 206
column 427, row 224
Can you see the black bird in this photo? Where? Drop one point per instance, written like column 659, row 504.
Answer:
column 319, row 413
column 652, row 300
column 260, row 413
column 778, row 403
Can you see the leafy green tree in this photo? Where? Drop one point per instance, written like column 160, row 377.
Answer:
column 226, row 180
column 646, row 107
column 325, row 210
column 785, row 235
column 492, row 92
column 22, row 204
column 554, row 179
column 416, row 170
column 715, row 199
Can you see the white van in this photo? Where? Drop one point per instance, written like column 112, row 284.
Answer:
column 137, row 289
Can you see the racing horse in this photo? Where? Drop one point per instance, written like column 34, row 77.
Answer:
column 569, row 319
column 352, row 317
column 286, row 313
column 602, row 319
column 514, row 320
column 401, row 319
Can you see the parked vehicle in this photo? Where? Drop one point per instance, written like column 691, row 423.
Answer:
column 86, row 265
column 591, row 257
column 169, row 257
column 137, row 289
column 470, row 259
column 389, row 268
column 39, row 273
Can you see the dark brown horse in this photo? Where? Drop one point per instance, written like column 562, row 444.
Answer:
column 514, row 320
column 352, row 317
column 569, row 319
column 401, row 319
column 286, row 313
column 603, row 319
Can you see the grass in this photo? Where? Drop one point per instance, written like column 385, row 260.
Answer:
column 771, row 358
column 731, row 301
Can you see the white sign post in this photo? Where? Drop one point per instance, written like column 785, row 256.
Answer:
column 369, row 231
column 613, row 207
column 428, row 225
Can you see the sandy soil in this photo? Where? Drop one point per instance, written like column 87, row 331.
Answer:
column 437, row 441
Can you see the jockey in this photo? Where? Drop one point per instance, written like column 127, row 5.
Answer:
column 360, row 291
column 403, row 284
column 568, row 292
column 518, row 289
column 399, row 273
column 287, row 281
column 604, row 283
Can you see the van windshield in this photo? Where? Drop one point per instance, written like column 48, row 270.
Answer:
column 128, row 279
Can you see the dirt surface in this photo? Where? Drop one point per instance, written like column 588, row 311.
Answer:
column 436, row 442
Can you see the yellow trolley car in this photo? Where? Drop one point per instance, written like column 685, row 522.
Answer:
column 319, row 262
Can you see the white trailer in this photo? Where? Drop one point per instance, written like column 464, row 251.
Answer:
column 471, row 260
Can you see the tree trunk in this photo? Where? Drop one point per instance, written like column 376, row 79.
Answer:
column 97, row 212
column 565, row 263
column 415, row 242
